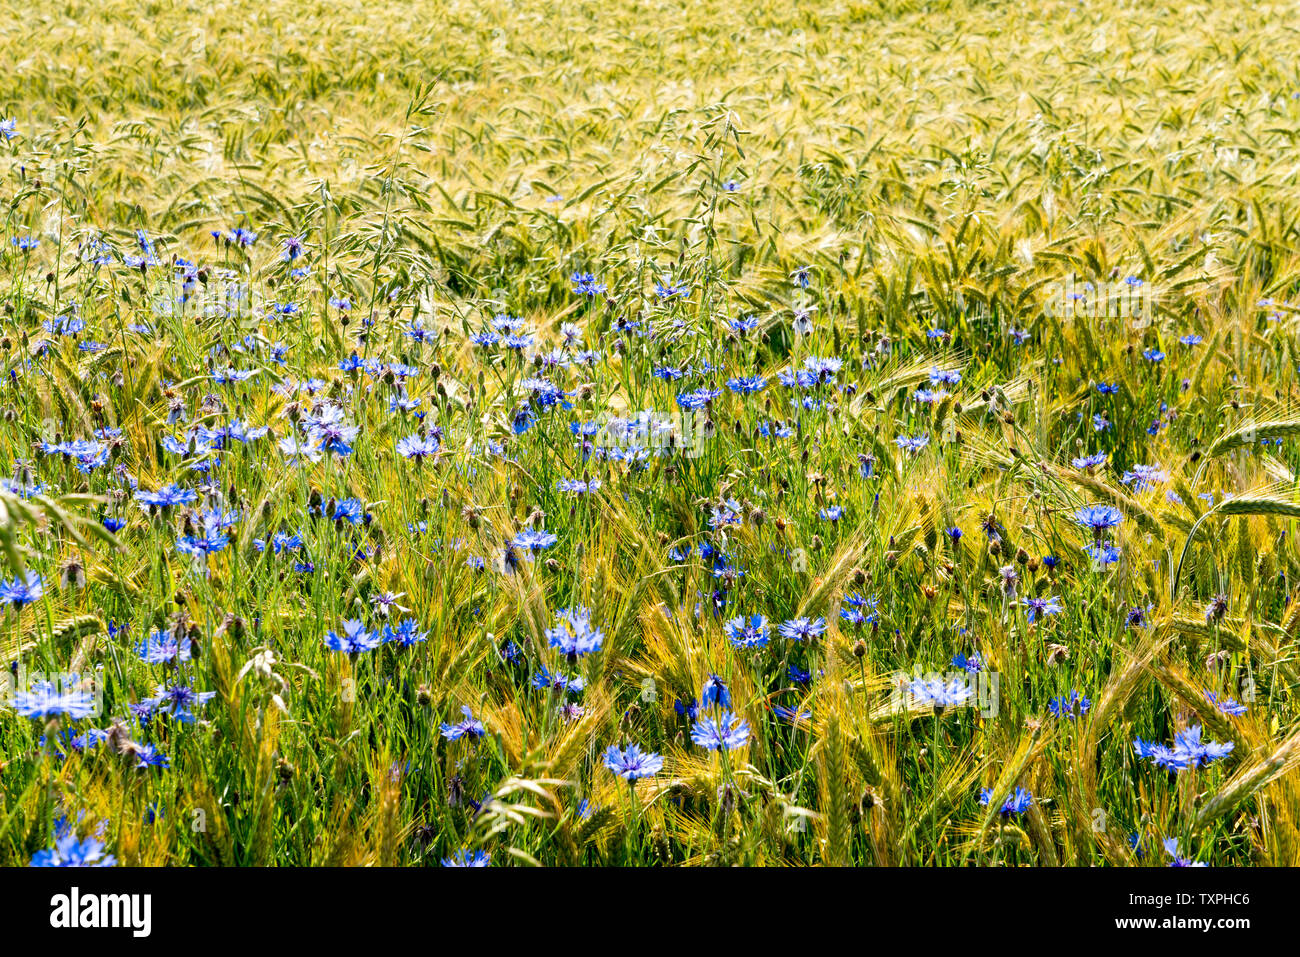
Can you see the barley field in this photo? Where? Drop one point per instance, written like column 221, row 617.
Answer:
column 650, row 434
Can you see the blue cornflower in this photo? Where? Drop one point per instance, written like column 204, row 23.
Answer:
column 1143, row 477
column 405, row 634
column 1188, row 750
column 940, row 693
column 723, row 733
column 46, row 700
column 212, row 540
column 354, row 639
column 715, row 693
column 666, row 289
column 1069, row 706
column 1096, row 460
column 852, row 609
column 417, row 447
column 71, row 851
column 557, row 681
column 747, row 384
column 148, row 756
column 178, row 701
column 748, row 633
column 467, row 858
column 1099, row 517
column 1170, row 845
column 468, row 727
column 231, row 374
column 350, row 510
column 578, row 486
column 1015, row 805
column 1228, row 706
column 329, row 430
column 1103, row 555
column 22, row 590
column 802, row 629
column 793, row 715
column 167, row 496
column 697, row 399
column 162, row 646
column 633, row 763
column 573, row 634
column 1041, row 606
column 585, row 284
column 533, row 541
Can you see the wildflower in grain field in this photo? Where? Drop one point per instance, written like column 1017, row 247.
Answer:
column 534, row 541
column 939, row 693
column 631, row 763
column 163, row 647
column 573, row 634
column 1229, row 706
column 469, row 726
column 72, row 851
column 724, row 732
column 545, row 679
column 179, row 702
column 1102, row 555
column 405, row 634
column 1170, row 844
column 353, row 638
column 1069, row 706
column 715, row 693
column 748, row 632
column 1041, row 607
column 22, row 590
column 417, row 447
column 467, row 858
column 452, row 395
column 1099, row 518
column 168, row 496
column 47, row 699
column 803, row 629
column 1016, row 804
column 1188, row 750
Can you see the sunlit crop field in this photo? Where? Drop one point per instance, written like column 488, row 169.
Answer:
column 516, row 433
